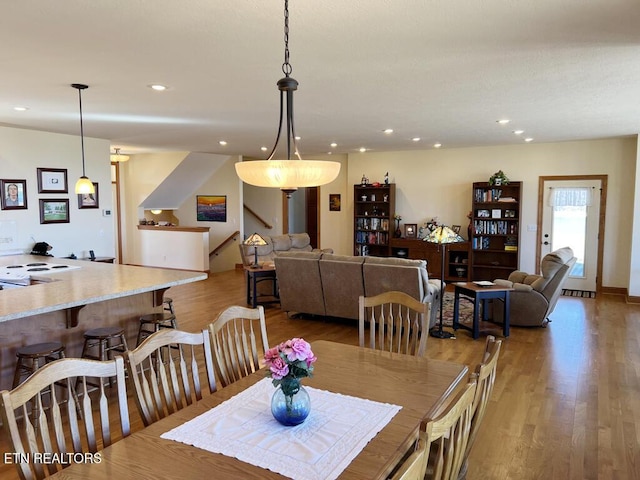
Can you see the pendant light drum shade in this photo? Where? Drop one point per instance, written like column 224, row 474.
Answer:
column 287, row 174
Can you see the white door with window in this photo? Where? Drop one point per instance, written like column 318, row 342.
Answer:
column 571, row 213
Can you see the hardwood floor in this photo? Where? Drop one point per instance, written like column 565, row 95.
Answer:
column 566, row 404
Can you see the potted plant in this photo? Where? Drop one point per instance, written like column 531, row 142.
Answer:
column 498, row 178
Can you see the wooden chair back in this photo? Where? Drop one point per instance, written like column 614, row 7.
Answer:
column 448, row 433
column 415, row 466
column 397, row 323
column 485, row 376
column 165, row 371
column 236, row 334
column 52, row 427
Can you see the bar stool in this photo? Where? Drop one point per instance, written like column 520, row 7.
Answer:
column 99, row 343
column 32, row 357
column 153, row 322
column 167, row 304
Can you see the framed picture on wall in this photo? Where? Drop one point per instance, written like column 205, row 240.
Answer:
column 211, row 208
column 14, row 194
column 334, row 202
column 54, row 210
column 52, row 180
column 89, row 200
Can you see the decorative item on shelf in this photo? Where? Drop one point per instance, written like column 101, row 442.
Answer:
column 386, row 178
column 288, row 363
column 255, row 241
column 364, row 180
column 84, row 184
column 442, row 235
column 498, row 178
column 398, row 232
column 287, row 175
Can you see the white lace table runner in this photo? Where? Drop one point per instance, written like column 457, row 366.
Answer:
column 336, row 431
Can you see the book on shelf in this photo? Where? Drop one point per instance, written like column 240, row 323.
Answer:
column 506, row 200
column 510, row 248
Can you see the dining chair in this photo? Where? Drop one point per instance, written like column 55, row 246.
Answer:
column 447, row 436
column 485, row 376
column 397, row 323
column 56, row 430
column 415, row 466
column 236, row 333
column 165, row 371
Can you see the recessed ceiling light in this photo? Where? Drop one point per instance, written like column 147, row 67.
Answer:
column 21, row 109
column 334, row 145
column 529, row 139
column 362, row 149
column 415, row 139
column 388, row 130
column 222, row 142
column 518, row 132
column 297, row 138
column 503, row 121
column 329, row 153
column 157, row 87
column 437, row 145
column 264, row 149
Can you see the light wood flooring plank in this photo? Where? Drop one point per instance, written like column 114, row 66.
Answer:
column 566, row 404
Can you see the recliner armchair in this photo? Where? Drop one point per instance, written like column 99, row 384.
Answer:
column 535, row 296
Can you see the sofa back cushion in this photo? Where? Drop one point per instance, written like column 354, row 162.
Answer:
column 387, row 274
column 342, row 284
column 300, row 241
column 281, row 243
column 299, row 282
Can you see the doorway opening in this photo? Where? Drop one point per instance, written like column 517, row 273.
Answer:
column 571, row 212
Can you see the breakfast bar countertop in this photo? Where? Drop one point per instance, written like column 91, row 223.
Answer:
column 86, row 283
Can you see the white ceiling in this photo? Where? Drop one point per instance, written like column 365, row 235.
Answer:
column 441, row 70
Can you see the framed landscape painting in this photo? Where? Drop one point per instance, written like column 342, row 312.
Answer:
column 54, row 210
column 211, row 208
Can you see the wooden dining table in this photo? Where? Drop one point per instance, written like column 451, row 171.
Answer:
column 418, row 384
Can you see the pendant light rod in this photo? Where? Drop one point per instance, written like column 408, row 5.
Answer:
column 83, row 185
column 286, row 174
column 287, row 86
column 81, row 87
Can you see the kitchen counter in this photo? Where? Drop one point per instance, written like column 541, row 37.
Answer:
column 61, row 304
column 91, row 283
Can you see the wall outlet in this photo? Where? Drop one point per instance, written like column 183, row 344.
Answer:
column 106, row 213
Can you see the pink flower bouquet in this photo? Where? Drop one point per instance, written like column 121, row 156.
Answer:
column 288, row 363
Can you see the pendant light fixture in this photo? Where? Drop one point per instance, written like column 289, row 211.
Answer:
column 119, row 157
column 287, row 175
column 83, row 185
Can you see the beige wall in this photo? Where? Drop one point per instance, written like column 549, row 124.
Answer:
column 437, row 183
column 144, row 172
column 21, row 153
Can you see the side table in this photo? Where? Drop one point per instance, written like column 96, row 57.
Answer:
column 257, row 275
column 480, row 294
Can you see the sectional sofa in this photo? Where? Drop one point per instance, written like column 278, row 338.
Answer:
column 329, row 285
